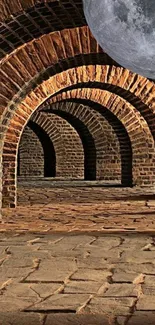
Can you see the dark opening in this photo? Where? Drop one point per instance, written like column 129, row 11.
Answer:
column 48, row 149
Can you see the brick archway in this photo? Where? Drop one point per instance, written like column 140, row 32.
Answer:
column 133, row 88
column 109, row 136
column 93, row 119
column 47, row 158
column 29, row 65
column 133, row 122
column 52, row 132
column 66, row 142
column 22, row 110
column 85, row 136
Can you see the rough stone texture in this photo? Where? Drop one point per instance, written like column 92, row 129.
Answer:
column 92, row 277
column 77, row 319
column 62, row 289
column 16, row 318
column 142, row 318
column 46, row 206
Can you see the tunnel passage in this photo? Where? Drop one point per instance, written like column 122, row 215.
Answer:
column 72, row 148
column 67, row 146
column 106, row 132
column 24, row 105
column 124, row 143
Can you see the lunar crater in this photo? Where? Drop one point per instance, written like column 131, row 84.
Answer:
column 126, row 31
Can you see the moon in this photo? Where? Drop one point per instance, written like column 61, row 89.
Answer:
column 125, row 29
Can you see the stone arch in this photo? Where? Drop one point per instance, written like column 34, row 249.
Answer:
column 22, row 109
column 43, row 120
column 52, row 131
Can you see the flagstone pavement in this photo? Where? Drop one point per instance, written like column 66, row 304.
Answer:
column 77, row 279
column 80, row 255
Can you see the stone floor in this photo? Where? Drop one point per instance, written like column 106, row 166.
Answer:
column 77, row 279
column 78, row 255
column 90, row 208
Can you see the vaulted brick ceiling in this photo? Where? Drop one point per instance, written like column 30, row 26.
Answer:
column 23, row 20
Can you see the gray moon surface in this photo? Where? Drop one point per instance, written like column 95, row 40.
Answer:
column 125, row 29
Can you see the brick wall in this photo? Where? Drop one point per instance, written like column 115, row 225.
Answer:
column 68, row 145
column 104, row 132
column 31, row 155
column 110, row 156
column 69, row 162
column 127, row 95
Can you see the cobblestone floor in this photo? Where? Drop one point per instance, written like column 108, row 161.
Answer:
column 78, row 255
column 44, row 208
column 77, row 279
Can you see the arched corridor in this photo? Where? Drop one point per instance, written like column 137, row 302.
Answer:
column 106, row 152
column 112, row 101
column 77, row 174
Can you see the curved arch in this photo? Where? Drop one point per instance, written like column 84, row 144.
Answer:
column 30, row 155
column 144, row 153
column 55, row 52
column 52, row 132
column 64, row 158
column 88, row 118
column 48, row 149
column 146, row 112
column 135, row 85
column 85, row 136
column 87, row 141
column 22, row 110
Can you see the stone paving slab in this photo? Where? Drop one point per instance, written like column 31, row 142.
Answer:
column 16, row 318
column 81, row 209
column 80, row 289
column 24, row 318
column 78, row 256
